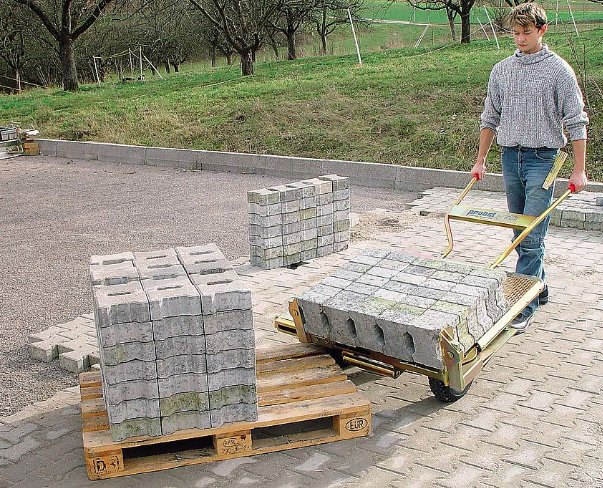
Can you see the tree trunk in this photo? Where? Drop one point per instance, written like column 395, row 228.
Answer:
column 68, row 67
column 212, row 55
column 176, row 67
column 322, row 30
column 166, row 63
column 291, row 52
column 465, row 28
column 274, row 46
column 17, row 76
column 323, row 43
column 247, row 63
column 451, row 16
column 229, row 58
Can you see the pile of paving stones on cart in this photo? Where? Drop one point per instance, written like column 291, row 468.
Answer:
column 292, row 223
column 583, row 210
column 397, row 304
column 177, row 346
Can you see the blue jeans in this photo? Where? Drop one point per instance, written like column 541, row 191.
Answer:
column 524, row 172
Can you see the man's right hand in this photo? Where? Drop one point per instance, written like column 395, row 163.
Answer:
column 479, row 169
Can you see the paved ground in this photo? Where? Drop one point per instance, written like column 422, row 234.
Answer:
column 533, row 418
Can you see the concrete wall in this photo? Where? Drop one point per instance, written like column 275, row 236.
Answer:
column 374, row 175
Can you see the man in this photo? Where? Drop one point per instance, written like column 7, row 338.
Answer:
column 532, row 97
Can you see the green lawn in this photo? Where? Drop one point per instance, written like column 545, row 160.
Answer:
column 583, row 10
column 403, row 106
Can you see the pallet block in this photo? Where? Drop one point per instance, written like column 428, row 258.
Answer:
column 31, row 148
column 304, row 399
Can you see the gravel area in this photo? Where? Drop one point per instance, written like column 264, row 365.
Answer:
column 55, row 213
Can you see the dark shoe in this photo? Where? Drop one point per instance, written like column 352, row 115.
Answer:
column 521, row 323
column 543, row 298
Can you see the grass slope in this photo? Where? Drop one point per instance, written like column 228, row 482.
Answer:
column 402, row 107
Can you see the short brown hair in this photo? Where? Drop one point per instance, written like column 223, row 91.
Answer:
column 525, row 14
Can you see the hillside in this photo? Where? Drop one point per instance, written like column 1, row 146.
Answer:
column 407, row 106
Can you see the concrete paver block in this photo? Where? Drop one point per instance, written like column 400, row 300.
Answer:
column 113, row 274
column 128, row 351
column 181, row 364
column 131, row 390
column 185, row 325
column 134, row 409
column 131, row 371
column 125, row 303
column 182, row 383
column 136, row 427
column 185, row 420
column 172, row 297
column 180, row 346
column 184, row 402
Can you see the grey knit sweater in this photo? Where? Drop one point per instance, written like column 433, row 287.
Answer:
column 531, row 98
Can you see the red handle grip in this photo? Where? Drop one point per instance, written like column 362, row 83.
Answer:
column 476, row 176
column 572, row 188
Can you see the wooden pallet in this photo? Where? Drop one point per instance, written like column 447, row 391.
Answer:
column 304, row 399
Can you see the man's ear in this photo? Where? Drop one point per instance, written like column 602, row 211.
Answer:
column 544, row 28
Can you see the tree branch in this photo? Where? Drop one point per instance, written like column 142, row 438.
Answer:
column 43, row 16
column 66, row 16
column 96, row 13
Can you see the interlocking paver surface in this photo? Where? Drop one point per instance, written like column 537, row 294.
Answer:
column 532, row 418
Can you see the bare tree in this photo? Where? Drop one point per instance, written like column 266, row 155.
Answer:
column 243, row 24
column 328, row 14
column 168, row 30
column 12, row 44
column 215, row 41
column 66, row 20
column 292, row 14
column 453, row 8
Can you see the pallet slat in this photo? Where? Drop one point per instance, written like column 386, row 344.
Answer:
column 314, row 376
column 305, row 393
column 272, row 353
column 294, row 364
column 303, row 401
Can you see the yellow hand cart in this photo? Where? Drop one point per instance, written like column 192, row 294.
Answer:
column 460, row 367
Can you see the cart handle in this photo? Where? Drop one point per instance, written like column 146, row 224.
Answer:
column 571, row 189
column 458, row 200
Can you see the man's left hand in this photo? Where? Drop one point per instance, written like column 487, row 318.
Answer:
column 578, row 179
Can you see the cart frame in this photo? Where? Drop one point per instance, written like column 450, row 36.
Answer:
column 460, row 367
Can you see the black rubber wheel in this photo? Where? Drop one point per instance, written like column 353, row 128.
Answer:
column 445, row 393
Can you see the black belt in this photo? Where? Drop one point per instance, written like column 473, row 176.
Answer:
column 528, row 149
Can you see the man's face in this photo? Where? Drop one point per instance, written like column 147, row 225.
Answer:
column 528, row 39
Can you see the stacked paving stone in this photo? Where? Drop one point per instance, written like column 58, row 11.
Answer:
column 229, row 335
column 397, row 304
column 176, row 341
column 299, row 221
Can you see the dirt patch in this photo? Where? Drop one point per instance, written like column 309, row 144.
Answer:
column 381, row 221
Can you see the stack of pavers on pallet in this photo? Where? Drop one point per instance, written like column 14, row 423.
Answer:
column 177, row 348
column 299, row 221
column 397, row 304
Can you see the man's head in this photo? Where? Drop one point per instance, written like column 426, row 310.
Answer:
column 528, row 23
